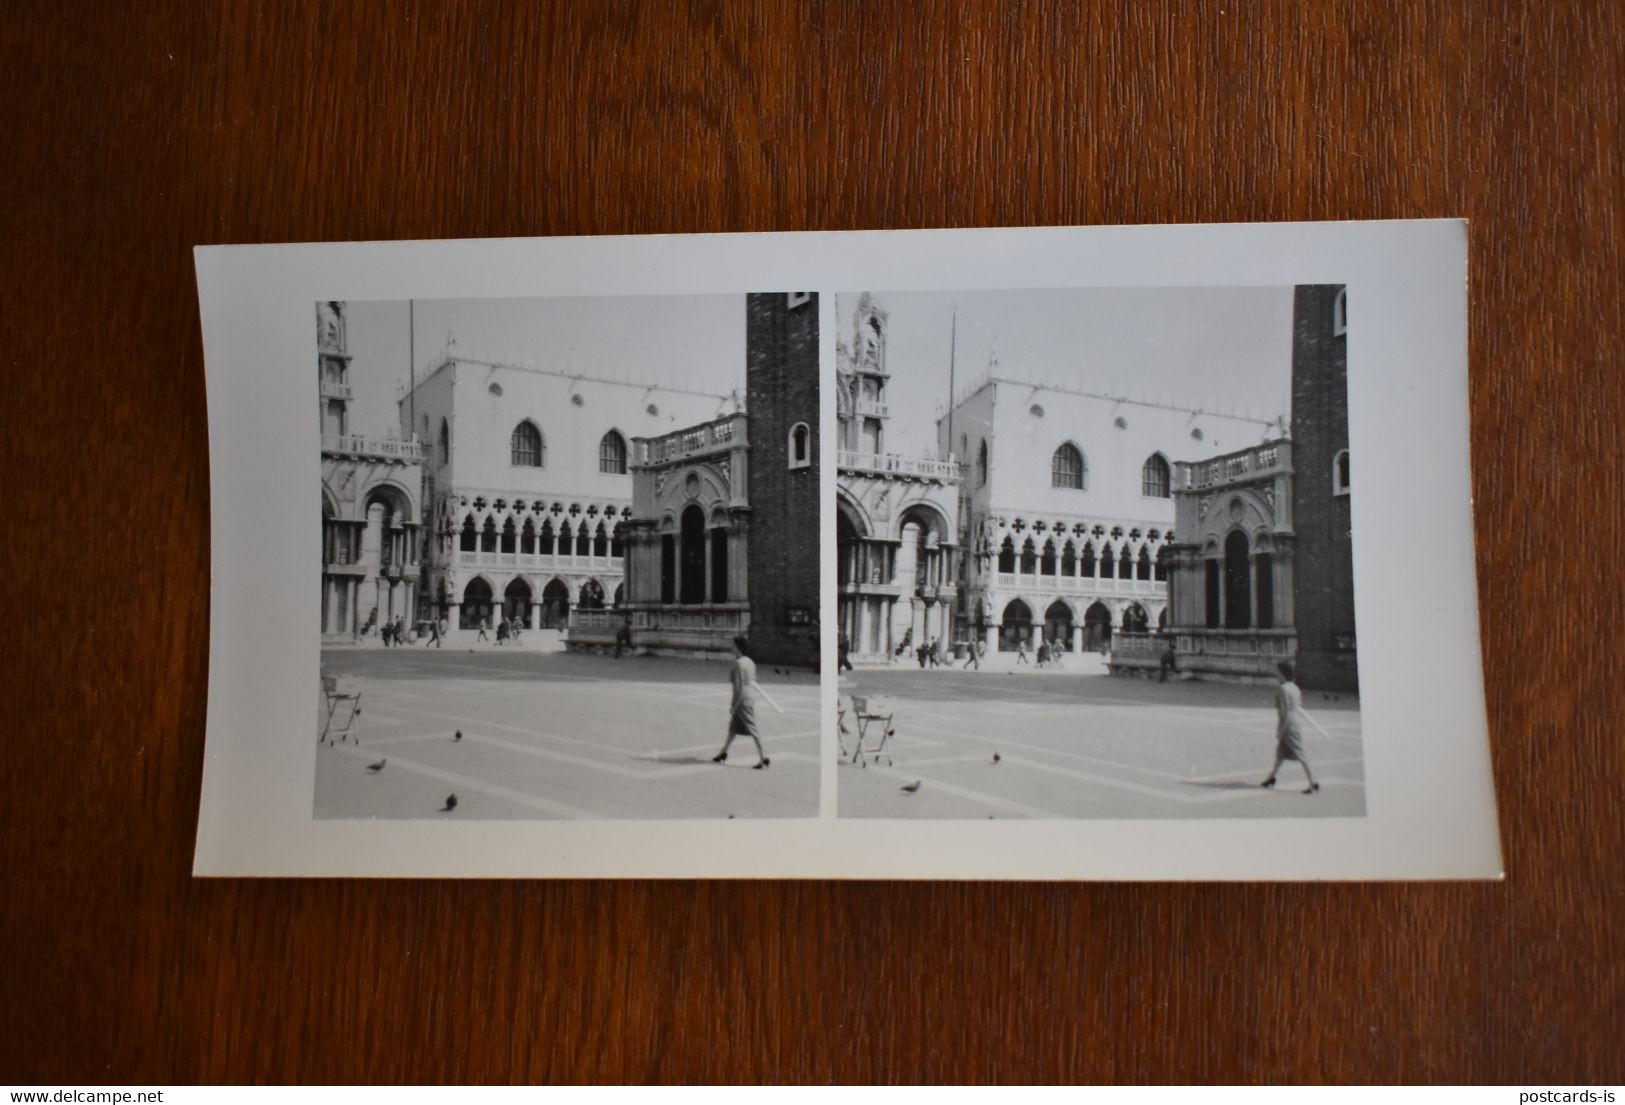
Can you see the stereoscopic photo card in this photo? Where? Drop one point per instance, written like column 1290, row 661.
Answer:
column 1009, row 554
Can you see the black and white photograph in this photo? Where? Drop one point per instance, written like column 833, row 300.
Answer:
column 1095, row 554
column 1000, row 554
column 570, row 553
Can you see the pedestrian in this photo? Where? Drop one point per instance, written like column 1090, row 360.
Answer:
column 1289, row 726
column 843, row 648
column 502, row 632
column 513, row 630
column 974, row 660
column 623, row 637
column 742, row 709
column 485, row 623
column 400, row 631
column 434, row 634
column 1021, row 650
column 936, row 652
column 1168, row 659
column 923, row 653
column 445, row 629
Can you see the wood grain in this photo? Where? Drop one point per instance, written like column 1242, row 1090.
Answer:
column 132, row 136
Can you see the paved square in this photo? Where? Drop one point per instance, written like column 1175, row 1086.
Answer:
column 1074, row 744
column 553, row 735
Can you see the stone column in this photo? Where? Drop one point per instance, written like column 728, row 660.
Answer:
column 1281, row 565
column 1077, row 637
column 991, row 633
column 705, row 592
column 535, row 615
column 860, row 641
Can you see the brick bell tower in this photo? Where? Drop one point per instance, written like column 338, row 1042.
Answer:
column 781, row 388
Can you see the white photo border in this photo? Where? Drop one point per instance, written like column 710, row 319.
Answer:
column 1430, row 810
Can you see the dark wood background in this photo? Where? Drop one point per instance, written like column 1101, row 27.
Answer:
column 129, row 137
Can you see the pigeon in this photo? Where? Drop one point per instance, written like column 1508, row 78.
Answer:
column 730, row 817
column 995, row 757
column 451, row 804
column 379, row 766
column 912, row 787
column 457, row 736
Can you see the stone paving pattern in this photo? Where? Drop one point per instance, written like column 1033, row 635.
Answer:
column 548, row 734
column 1076, row 743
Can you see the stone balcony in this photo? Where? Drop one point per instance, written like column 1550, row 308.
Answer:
column 889, row 464
column 1244, row 465
column 387, row 448
column 697, row 441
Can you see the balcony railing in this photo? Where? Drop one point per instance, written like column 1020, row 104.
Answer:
column 889, row 464
column 1244, row 465
column 356, row 445
column 331, row 389
column 723, row 433
column 605, row 565
column 871, row 408
column 1082, row 584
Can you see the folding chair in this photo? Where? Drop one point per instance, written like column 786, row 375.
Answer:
column 841, row 731
column 335, row 699
column 870, row 709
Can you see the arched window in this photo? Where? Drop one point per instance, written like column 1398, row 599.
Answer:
column 1340, row 312
column 1029, row 558
column 1154, row 477
column 981, row 465
column 1108, row 562
column 1125, row 566
column 799, row 447
column 1046, row 561
column 1007, row 556
column 600, row 541
column 1066, row 468
column 509, row 534
column 1340, row 473
column 526, row 446
column 469, row 536
column 1238, row 592
column 612, row 454
column 445, row 442
column 1143, row 565
column 1069, row 560
column 1086, row 563
column 488, row 536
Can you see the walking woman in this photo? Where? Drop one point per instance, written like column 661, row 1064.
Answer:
column 1290, row 724
column 742, row 711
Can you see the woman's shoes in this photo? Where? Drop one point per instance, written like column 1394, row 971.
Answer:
column 719, row 757
column 764, row 763
column 1267, row 783
column 1314, row 788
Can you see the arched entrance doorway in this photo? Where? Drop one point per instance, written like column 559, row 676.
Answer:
column 1135, row 619
column 555, row 605
column 592, row 595
column 692, row 539
column 620, row 595
column 1015, row 627
column 1058, row 625
column 516, row 603
column 1097, row 627
column 476, row 604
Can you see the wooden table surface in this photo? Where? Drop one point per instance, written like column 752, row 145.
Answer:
column 129, row 137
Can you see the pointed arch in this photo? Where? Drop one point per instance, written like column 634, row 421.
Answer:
column 612, row 454
column 1154, row 482
column 1068, row 468
column 527, row 448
